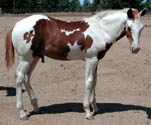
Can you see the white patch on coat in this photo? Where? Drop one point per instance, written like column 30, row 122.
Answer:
column 104, row 31
column 21, row 27
column 75, row 52
column 99, row 41
column 69, row 32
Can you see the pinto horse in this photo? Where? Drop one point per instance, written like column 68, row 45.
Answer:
column 89, row 39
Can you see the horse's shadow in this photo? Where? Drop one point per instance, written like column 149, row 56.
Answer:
column 11, row 91
column 104, row 108
column 77, row 107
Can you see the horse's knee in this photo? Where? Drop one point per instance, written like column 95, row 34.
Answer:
column 91, row 100
column 26, row 79
column 19, row 106
column 89, row 83
column 19, row 78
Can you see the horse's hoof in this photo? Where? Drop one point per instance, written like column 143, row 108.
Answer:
column 90, row 117
column 24, row 118
column 96, row 111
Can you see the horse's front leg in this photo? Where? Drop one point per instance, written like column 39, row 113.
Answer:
column 92, row 97
column 91, row 64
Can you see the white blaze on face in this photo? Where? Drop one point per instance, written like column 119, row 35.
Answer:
column 75, row 52
column 69, row 32
column 136, row 27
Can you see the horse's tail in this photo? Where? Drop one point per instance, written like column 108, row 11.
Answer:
column 9, row 55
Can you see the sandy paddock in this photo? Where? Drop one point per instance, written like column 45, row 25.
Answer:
column 123, row 89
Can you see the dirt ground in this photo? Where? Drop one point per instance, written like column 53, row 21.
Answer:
column 123, row 90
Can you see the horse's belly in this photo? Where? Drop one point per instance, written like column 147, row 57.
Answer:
column 70, row 52
column 75, row 53
column 55, row 54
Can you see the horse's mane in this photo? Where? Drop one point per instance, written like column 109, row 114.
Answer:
column 105, row 13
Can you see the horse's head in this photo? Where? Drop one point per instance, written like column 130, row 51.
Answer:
column 134, row 28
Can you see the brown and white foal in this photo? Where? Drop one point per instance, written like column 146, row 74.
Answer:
column 88, row 39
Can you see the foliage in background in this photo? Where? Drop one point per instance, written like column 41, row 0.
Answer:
column 74, row 6
column 27, row 6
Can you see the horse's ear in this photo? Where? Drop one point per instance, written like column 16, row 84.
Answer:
column 143, row 12
column 130, row 13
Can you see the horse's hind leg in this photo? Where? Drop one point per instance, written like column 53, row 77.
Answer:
column 32, row 96
column 91, row 64
column 20, row 78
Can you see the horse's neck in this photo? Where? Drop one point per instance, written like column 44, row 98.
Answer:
column 114, row 25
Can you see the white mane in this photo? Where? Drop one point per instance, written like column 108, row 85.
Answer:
column 102, row 14
column 109, row 12
column 105, row 13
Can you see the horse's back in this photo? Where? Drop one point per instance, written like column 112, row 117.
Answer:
column 40, row 35
column 23, row 33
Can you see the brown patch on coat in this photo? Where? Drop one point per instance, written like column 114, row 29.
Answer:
column 51, row 42
column 27, row 36
column 135, row 12
column 123, row 33
column 102, row 53
column 86, row 43
column 126, row 32
column 129, row 34
column 70, row 26
column 38, row 42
